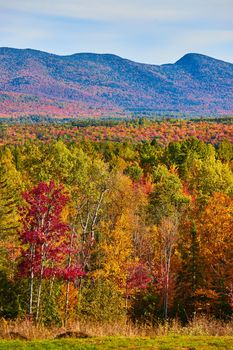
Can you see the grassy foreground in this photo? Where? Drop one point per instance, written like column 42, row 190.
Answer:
column 162, row 342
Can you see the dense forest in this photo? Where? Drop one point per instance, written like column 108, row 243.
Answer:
column 103, row 230
column 164, row 130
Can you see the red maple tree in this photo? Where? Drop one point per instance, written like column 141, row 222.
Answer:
column 47, row 251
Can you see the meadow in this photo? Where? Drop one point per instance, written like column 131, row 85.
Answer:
column 157, row 343
column 201, row 334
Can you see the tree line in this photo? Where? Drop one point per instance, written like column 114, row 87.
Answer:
column 106, row 230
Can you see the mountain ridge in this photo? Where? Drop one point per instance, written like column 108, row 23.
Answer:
column 189, row 54
column 84, row 84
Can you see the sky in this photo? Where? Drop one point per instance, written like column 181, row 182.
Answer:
column 149, row 31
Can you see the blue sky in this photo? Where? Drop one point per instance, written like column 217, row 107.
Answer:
column 150, row 31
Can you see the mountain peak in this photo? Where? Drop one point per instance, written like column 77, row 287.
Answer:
column 197, row 58
column 190, row 58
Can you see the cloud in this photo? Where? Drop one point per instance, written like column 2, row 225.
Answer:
column 125, row 9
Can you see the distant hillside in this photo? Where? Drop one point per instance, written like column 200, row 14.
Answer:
column 38, row 83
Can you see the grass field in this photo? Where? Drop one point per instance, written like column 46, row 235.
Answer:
column 159, row 343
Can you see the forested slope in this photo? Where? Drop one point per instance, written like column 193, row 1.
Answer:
column 38, row 83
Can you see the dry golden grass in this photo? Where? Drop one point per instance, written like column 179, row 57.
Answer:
column 198, row 327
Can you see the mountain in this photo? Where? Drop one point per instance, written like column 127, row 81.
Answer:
column 38, row 83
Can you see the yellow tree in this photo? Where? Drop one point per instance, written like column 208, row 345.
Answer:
column 119, row 230
column 10, row 183
column 216, row 244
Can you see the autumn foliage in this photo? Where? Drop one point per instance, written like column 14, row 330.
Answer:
column 107, row 230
